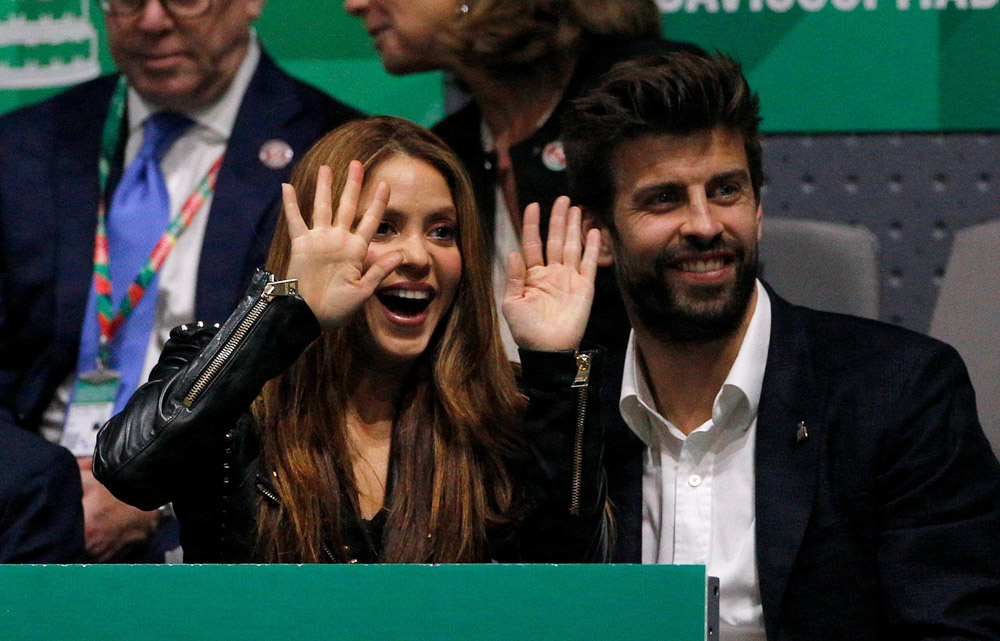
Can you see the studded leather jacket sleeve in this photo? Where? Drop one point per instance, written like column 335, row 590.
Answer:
column 174, row 427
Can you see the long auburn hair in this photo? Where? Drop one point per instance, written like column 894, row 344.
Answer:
column 454, row 433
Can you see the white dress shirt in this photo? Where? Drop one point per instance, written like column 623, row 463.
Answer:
column 186, row 162
column 698, row 490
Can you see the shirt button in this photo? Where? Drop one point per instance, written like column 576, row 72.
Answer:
column 487, row 165
column 694, row 480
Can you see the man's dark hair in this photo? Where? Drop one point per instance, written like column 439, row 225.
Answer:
column 677, row 93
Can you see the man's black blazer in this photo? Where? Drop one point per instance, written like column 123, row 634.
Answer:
column 41, row 512
column 884, row 523
column 48, row 208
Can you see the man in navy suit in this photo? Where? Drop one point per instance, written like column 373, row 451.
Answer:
column 829, row 469
column 41, row 515
column 197, row 58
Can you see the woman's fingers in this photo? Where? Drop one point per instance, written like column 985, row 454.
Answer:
column 592, row 249
column 347, row 209
column 573, row 246
column 531, row 236
column 381, row 268
column 293, row 217
column 369, row 222
column 322, row 209
column 516, row 272
column 557, row 231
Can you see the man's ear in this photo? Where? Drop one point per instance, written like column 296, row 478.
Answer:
column 760, row 220
column 605, row 257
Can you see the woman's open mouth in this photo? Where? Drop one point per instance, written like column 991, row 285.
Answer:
column 405, row 303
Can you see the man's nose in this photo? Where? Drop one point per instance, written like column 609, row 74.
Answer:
column 154, row 16
column 701, row 221
column 355, row 7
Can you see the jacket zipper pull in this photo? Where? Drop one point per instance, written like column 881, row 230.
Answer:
column 272, row 289
column 582, row 370
column 277, row 288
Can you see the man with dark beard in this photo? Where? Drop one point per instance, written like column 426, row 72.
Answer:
column 829, row 469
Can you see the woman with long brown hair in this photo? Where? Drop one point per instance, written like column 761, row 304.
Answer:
column 361, row 408
column 521, row 63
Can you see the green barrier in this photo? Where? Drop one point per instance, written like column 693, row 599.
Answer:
column 355, row 603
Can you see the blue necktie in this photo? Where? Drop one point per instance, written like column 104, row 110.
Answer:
column 138, row 216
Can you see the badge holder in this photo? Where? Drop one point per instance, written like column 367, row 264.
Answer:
column 92, row 404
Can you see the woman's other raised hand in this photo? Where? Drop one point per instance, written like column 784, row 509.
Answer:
column 550, row 288
column 328, row 259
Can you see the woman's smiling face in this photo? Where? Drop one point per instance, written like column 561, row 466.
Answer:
column 421, row 222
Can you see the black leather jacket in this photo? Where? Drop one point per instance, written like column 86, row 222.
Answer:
column 187, row 437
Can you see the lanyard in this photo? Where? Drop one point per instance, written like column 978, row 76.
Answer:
column 109, row 320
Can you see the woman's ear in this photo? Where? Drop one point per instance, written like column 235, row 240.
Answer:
column 605, row 258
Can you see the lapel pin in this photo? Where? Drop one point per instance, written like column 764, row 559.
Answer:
column 276, row 154
column 554, row 156
column 801, row 433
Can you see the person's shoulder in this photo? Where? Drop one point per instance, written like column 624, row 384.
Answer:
column 314, row 100
column 20, row 124
column 460, row 126
column 846, row 342
column 41, row 509
column 25, row 455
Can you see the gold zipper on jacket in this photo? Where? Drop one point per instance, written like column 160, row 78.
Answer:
column 268, row 494
column 272, row 290
column 273, row 498
column 580, row 382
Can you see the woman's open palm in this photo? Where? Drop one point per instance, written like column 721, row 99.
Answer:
column 549, row 294
column 328, row 259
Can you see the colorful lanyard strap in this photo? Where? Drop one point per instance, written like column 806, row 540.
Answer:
column 109, row 320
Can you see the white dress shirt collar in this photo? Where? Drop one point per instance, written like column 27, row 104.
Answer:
column 737, row 400
column 216, row 119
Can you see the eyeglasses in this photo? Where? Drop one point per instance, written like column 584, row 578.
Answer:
column 176, row 8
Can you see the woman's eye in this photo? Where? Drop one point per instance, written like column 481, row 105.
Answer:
column 443, row 232
column 384, row 229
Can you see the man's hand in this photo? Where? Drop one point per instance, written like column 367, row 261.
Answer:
column 111, row 527
column 548, row 299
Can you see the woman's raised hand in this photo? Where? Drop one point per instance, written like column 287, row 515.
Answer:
column 549, row 292
column 328, row 260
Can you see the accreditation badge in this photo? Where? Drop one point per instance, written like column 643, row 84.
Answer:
column 90, row 407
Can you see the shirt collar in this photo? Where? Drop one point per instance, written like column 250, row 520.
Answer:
column 218, row 117
column 738, row 399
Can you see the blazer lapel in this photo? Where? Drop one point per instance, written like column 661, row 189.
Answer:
column 75, row 195
column 789, row 436
column 246, row 198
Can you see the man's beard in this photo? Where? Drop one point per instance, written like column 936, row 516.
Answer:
column 701, row 315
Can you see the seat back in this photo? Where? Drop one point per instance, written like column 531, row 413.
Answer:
column 828, row 266
column 967, row 316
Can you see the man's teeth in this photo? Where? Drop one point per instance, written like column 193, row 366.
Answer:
column 702, row 265
column 415, row 294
